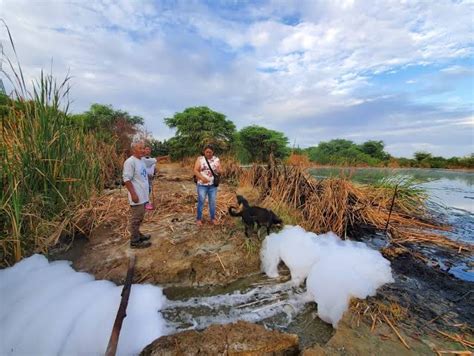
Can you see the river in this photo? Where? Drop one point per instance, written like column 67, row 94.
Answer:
column 451, row 199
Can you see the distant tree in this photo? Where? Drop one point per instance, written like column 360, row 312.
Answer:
column 105, row 117
column 110, row 125
column 259, row 142
column 335, row 147
column 340, row 152
column 422, row 156
column 198, row 126
column 375, row 149
column 159, row 148
column 467, row 161
column 437, row 162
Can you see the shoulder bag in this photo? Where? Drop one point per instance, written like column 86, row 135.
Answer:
column 216, row 176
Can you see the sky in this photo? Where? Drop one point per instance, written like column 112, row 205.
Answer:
column 397, row 71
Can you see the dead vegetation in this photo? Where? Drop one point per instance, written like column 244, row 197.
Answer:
column 348, row 209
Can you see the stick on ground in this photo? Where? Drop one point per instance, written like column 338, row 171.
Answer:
column 122, row 311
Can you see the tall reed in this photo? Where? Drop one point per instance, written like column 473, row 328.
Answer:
column 49, row 165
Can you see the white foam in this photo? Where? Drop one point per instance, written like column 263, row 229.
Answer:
column 336, row 270
column 49, row 309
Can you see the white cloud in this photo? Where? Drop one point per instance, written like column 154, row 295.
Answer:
column 250, row 63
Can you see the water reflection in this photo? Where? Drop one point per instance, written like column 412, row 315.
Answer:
column 453, row 189
column 451, row 197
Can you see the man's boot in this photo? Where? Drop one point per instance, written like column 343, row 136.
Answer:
column 138, row 243
column 144, row 237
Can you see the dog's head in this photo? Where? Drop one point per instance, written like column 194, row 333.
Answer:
column 276, row 220
column 243, row 203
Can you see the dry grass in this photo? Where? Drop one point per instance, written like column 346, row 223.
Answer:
column 112, row 209
column 336, row 204
column 298, row 160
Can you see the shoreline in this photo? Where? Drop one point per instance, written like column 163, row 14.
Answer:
column 188, row 262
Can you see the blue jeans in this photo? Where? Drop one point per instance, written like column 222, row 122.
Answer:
column 211, row 192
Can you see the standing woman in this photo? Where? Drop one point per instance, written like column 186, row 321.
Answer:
column 205, row 182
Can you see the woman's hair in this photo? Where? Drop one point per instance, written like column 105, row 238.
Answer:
column 208, row 147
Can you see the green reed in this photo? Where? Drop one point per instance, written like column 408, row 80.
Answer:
column 50, row 164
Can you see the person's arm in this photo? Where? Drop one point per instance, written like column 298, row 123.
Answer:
column 149, row 161
column 128, row 170
column 131, row 189
column 197, row 172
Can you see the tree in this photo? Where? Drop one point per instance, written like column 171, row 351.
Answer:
column 422, row 156
column 105, row 117
column 375, row 149
column 340, row 152
column 159, row 148
column 198, row 126
column 110, row 125
column 259, row 142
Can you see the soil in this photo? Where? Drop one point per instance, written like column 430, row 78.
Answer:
column 184, row 255
column 433, row 297
column 239, row 338
column 181, row 252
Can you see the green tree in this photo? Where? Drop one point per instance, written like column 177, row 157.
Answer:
column 375, row 149
column 340, row 152
column 259, row 142
column 109, row 125
column 159, row 148
column 467, row 161
column 105, row 117
column 422, row 156
column 198, row 126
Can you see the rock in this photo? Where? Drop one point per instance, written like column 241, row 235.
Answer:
column 241, row 338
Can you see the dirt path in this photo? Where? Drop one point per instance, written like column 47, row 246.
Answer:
column 181, row 253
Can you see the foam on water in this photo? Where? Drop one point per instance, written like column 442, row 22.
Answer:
column 336, row 270
column 254, row 305
column 48, row 309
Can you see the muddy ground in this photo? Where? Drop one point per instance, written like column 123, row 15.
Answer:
column 183, row 255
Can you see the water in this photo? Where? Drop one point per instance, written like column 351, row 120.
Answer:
column 274, row 303
column 279, row 305
column 451, row 199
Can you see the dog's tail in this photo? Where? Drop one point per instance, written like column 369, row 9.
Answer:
column 233, row 212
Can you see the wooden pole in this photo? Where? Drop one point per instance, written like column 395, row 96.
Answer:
column 121, row 313
column 391, row 208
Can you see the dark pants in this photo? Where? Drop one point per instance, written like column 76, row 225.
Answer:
column 137, row 212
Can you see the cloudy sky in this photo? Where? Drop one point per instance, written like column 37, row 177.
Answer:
column 397, row 71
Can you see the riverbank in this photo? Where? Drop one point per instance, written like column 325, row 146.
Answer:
column 191, row 262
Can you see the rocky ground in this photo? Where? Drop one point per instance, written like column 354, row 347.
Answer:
column 183, row 255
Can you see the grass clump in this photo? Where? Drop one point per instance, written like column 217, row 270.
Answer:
column 49, row 166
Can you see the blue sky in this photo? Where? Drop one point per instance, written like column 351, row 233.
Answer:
column 397, row 71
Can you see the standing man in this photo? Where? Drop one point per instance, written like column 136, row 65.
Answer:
column 136, row 181
column 150, row 165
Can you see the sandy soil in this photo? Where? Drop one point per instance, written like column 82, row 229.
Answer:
column 181, row 253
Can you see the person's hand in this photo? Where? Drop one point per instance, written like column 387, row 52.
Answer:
column 205, row 180
column 135, row 197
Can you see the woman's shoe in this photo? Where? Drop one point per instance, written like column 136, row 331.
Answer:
column 149, row 206
column 199, row 222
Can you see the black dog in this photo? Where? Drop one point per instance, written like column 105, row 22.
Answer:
column 252, row 215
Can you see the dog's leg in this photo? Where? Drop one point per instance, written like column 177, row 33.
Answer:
column 247, row 231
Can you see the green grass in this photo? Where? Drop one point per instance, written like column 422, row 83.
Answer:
column 49, row 165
